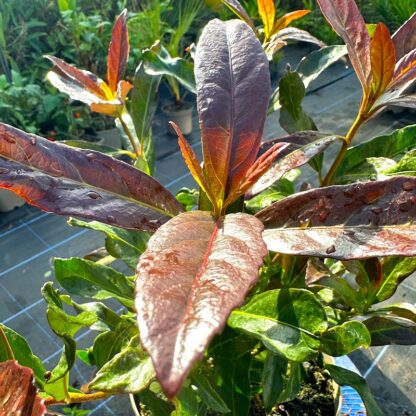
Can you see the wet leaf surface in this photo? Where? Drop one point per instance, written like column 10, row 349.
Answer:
column 88, row 184
column 194, row 272
column 345, row 222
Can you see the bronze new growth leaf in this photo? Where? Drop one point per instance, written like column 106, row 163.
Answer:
column 82, row 183
column 84, row 86
column 362, row 220
column 195, row 271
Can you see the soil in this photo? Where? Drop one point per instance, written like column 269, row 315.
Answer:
column 316, row 397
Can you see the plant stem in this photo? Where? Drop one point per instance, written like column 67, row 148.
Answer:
column 6, row 344
column 347, row 141
column 126, row 129
column 77, row 398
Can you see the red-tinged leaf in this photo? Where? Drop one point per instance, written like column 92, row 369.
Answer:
column 405, row 70
column 239, row 11
column 297, row 139
column 405, row 37
column 195, row 271
column 18, row 395
column 191, row 160
column 83, row 183
column 118, row 52
column 362, row 220
column 383, row 59
column 287, row 19
column 75, row 82
column 258, row 169
column 346, row 19
column 267, row 13
column 232, row 75
column 293, row 33
column 293, row 160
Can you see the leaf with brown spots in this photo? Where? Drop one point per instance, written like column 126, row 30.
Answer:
column 81, row 183
column 195, row 271
column 18, row 395
column 362, row 220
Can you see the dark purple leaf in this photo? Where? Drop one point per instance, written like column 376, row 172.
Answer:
column 82, row 183
column 232, row 75
column 391, row 330
column 345, row 222
column 18, row 395
column 405, row 37
column 195, row 271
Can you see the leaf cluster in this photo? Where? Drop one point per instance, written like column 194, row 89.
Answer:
column 230, row 296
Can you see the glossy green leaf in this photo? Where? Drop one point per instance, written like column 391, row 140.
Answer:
column 387, row 146
column 285, row 320
column 66, row 362
column 130, row 371
column 163, row 64
column 144, row 100
column 92, row 280
column 395, row 270
column 232, row 355
column 343, row 339
column 107, row 318
column 345, row 377
column 281, row 380
column 22, row 353
column 186, row 403
column 155, row 404
column 292, row 116
column 279, row 190
column 310, row 67
column 110, row 343
column 208, row 394
column 405, row 166
column 126, row 245
column 391, row 330
column 345, row 291
column 61, row 322
column 64, row 180
column 401, row 310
